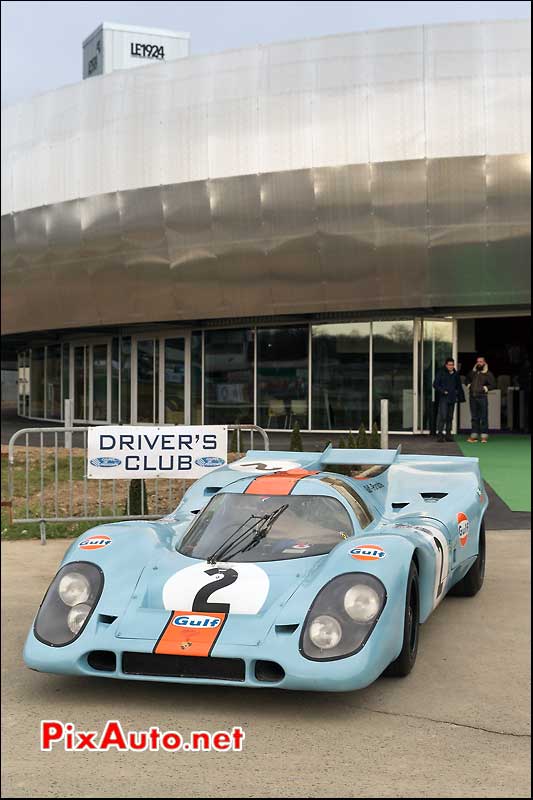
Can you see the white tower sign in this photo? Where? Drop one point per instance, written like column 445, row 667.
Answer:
column 113, row 46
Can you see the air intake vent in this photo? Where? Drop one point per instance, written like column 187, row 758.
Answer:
column 225, row 669
column 102, row 660
column 287, row 628
column 399, row 506
column 433, row 497
column 269, row 672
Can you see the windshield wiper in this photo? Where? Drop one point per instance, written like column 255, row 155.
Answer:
column 212, row 559
column 262, row 528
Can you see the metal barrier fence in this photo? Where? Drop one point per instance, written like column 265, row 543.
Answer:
column 47, row 480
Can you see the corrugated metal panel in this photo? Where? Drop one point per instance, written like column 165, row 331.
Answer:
column 440, row 91
column 381, row 170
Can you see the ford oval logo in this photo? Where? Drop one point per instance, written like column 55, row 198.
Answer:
column 210, row 461
column 106, row 462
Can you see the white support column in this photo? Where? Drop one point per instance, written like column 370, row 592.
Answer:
column 69, row 419
column 384, row 423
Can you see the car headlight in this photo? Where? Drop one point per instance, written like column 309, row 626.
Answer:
column 68, row 604
column 77, row 617
column 362, row 603
column 342, row 616
column 74, row 588
column 325, row 632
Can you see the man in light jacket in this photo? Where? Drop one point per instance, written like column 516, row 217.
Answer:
column 480, row 381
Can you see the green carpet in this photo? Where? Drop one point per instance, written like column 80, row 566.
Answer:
column 505, row 463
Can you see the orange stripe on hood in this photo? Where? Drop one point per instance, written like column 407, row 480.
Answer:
column 280, row 483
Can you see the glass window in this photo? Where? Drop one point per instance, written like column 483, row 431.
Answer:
column 307, row 525
column 282, row 376
column 23, row 383
column 392, row 345
column 53, row 381
column 125, row 379
column 115, row 377
column 66, row 377
column 80, row 382
column 37, row 382
column 437, row 347
column 229, row 377
column 100, row 382
column 196, row 378
column 341, row 361
column 360, row 508
column 175, row 381
column 147, row 351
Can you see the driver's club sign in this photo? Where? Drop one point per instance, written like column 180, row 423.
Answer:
column 170, row 451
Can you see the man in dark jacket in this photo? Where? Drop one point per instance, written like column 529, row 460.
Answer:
column 449, row 391
column 480, row 381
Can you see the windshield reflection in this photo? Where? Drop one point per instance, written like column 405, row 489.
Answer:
column 310, row 525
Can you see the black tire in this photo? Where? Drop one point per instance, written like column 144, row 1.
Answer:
column 405, row 662
column 472, row 582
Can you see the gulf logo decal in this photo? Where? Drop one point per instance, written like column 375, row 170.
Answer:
column 96, row 542
column 190, row 634
column 196, row 621
column 368, row 552
column 463, row 526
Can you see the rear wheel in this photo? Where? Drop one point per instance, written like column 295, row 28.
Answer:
column 472, row 582
column 406, row 660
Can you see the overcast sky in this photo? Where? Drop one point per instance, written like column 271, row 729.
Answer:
column 41, row 41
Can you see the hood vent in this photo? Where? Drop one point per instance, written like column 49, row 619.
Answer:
column 433, row 497
column 398, row 506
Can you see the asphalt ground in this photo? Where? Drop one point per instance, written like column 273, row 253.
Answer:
column 458, row 726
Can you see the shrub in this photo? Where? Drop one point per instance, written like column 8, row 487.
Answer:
column 375, row 440
column 351, row 443
column 233, row 442
column 296, row 439
column 138, row 499
column 362, row 438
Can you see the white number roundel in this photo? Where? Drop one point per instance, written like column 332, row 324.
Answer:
column 246, row 594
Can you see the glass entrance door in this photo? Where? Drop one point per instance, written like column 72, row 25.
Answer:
column 80, row 381
column 173, row 374
column 161, row 380
column 90, row 381
column 437, row 342
column 147, row 376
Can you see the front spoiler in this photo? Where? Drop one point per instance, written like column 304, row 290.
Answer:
column 346, row 674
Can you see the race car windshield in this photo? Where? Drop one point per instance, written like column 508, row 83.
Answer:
column 310, row 525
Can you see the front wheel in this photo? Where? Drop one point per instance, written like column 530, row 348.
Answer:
column 406, row 660
column 472, row 582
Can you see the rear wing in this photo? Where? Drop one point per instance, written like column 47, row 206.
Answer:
column 359, row 456
column 387, row 458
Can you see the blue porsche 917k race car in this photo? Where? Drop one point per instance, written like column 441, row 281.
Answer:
column 272, row 571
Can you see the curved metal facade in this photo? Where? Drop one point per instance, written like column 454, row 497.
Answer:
column 384, row 171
